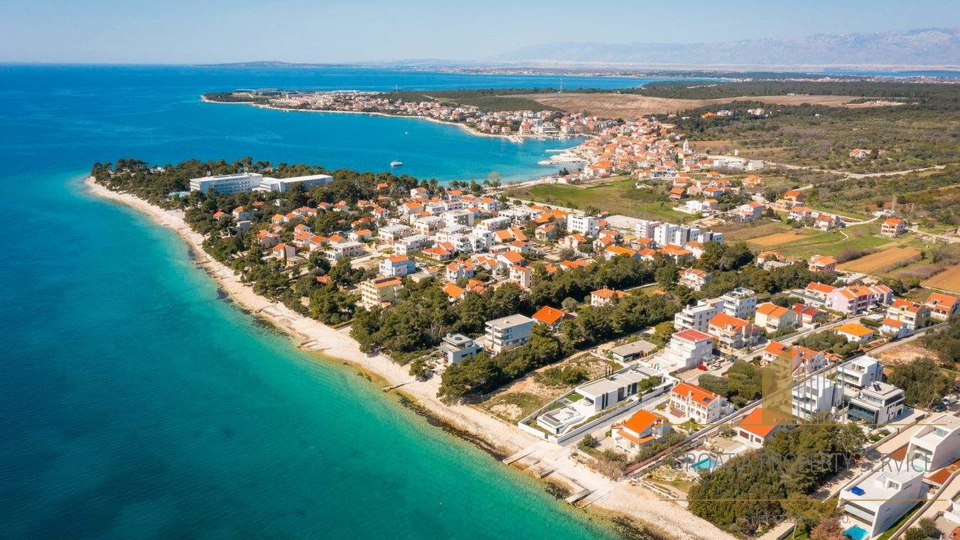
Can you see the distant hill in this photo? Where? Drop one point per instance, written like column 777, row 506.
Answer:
column 921, row 47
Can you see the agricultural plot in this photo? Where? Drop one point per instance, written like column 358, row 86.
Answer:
column 776, row 239
column 882, row 260
column 948, row 280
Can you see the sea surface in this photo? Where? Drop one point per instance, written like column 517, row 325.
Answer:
column 136, row 402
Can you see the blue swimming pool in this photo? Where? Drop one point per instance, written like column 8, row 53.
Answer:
column 706, row 464
column 856, row 533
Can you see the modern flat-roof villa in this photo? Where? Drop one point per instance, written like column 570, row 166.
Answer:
column 936, row 445
column 876, row 404
column 857, row 373
column 595, row 399
column 876, row 502
column 456, row 347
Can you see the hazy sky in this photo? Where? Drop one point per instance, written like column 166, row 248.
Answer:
column 179, row 31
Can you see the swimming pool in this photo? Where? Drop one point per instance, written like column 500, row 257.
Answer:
column 856, row 533
column 706, row 464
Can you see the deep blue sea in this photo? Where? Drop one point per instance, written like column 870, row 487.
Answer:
column 136, row 403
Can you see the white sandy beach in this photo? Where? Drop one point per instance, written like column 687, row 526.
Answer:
column 620, row 497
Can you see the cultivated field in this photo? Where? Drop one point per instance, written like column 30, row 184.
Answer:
column 881, row 260
column 633, row 106
column 776, row 239
column 948, row 280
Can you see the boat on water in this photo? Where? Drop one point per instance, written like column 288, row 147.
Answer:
column 396, row 163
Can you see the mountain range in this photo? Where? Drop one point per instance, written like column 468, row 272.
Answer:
column 919, row 47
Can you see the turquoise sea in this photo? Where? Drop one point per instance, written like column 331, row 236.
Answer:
column 136, row 402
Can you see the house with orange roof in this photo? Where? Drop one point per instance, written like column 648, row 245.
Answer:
column 397, row 265
column 510, row 258
column 615, row 251
column 733, row 332
column 808, row 315
column 379, row 291
column 240, row 213
column 892, row 227
column 267, row 239
column 819, row 291
column 854, row 332
column 904, row 317
column 754, row 431
column 691, row 402
column 643, row 428
column 550, row 317
column 675, row 252
column 361, row 235
column 439, row 252
column 572, row 241
column 453, row 291
column 822, row 263
column 851, row 300
column 605, row 296
column 801, row 213
column 677, row 193
column 694, row 278
column 546, row 232
column 457, row 270
column 283, row 252
column 773, row 318
column 942, row 306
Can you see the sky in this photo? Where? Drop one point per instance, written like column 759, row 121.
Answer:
column 212, row 31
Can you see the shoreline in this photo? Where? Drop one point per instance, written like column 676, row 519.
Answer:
column 659, row 518
column 461, row 125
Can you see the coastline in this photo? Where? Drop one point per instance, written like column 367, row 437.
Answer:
column 657, row 517
column 461, row 125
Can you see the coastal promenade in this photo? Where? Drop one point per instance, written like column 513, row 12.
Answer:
column 499, row 437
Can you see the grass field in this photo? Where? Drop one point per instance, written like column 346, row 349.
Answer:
column 881, row 260
column 835, row 241
column 948, row 280
column 616, row 197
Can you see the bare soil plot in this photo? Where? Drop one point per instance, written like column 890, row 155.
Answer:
column 881, row 260
column 632, row 106
column 948, row 280
column 903, row 354
column 776, row 239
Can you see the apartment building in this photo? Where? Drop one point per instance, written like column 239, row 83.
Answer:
column 893, row 227
column 852, row 300
column 740, row 303
column 698, row 317
column 587, row 225
column 773, row 318
column 686, row 349
column 942, row 306
column 379, row 291
column 507, row 333
column 226, row 184
column 689, row 401
column 733, row 332
column 397, row 265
